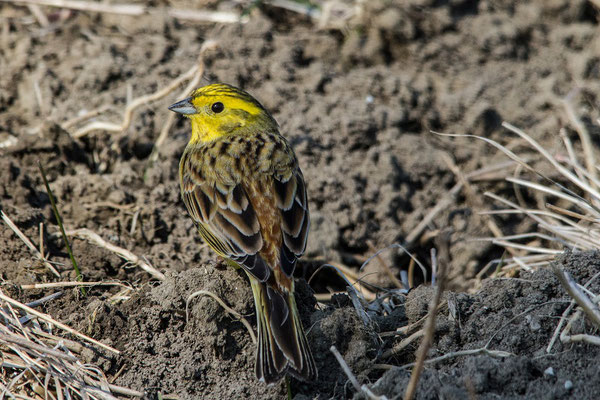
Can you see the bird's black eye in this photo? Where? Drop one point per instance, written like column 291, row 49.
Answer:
column 217, row 107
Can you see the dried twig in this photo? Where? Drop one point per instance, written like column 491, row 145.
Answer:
column 140, row 101
column 558, row 329
column 39, row 15
column 564, row 315
column 45, row 299
column 38, row 362
column 28, row 243
column 403, row 344
column 60, row 325
column 136, row 10
column 475, row 352
column 575, row 292
column 450, row 198
column 364, row 388
column 386, row 268
column 566, row 337
column 70, row 284
column 349, row 276
column 196, row 75
column 584, row 136
column 473, row 198
column 68, row 124
column 93, row 237
column 443, row 261
column 230, row 310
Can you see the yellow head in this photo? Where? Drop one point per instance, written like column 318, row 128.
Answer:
column 217, row 110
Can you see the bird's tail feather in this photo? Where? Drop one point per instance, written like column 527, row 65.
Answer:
column 282, row 344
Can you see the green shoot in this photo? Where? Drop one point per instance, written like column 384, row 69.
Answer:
column 289, row 387
column 62, row 228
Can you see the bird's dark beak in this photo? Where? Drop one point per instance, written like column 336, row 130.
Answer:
column 184, row 107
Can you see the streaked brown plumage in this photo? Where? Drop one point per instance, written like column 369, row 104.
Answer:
column 241, row 184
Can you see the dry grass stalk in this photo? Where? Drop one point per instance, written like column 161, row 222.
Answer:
column 68, row 124
column 402, row 250
column 93, row 237
column 359, row 305
column 297, row 7
column 30, row 367
column 563, row 320
column 192, row 73
column 9, row 141
column 574, row 226
column 567, row 337
column 403, row 344
column 351, row 278
column 474, row 199
column 136, row 10
column 230, row 310
column 386, row 268
column 409, row 329
column 49, row 319
column 37, row 253
column 588, row 305
column 39, row 15
column 462, row 353
column 584, row 137
column 565, row 314
column 196, row 76
column 443, row 259
column 359, row 388
column 450, row 198
column 71, row 284
column 575, row 291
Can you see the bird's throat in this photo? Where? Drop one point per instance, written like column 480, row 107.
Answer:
column 203, row 132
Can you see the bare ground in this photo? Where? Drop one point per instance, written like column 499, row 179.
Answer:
column 358, row 105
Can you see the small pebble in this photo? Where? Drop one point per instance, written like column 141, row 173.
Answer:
column 369, row 99
column 549, row 371
column 534, row 324
column 568, row 385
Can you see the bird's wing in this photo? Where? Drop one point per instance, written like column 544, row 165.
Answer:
column 291, row 200
column 226, row 220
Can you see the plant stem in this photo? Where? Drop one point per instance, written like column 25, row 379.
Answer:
column 62, row 228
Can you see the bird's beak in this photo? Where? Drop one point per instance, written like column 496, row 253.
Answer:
column 184, row 107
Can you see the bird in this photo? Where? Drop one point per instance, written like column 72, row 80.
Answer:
column 243, row 188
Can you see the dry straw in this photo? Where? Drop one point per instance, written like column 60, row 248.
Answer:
column 568, row 219
column 572, row 224
column 37, row 364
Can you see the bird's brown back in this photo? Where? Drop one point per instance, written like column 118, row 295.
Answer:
column 254, row 162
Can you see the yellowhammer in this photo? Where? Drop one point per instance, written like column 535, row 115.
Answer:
column 242, row 186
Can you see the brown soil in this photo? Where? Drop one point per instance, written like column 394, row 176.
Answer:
column 514, row 315
column 358, row 105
